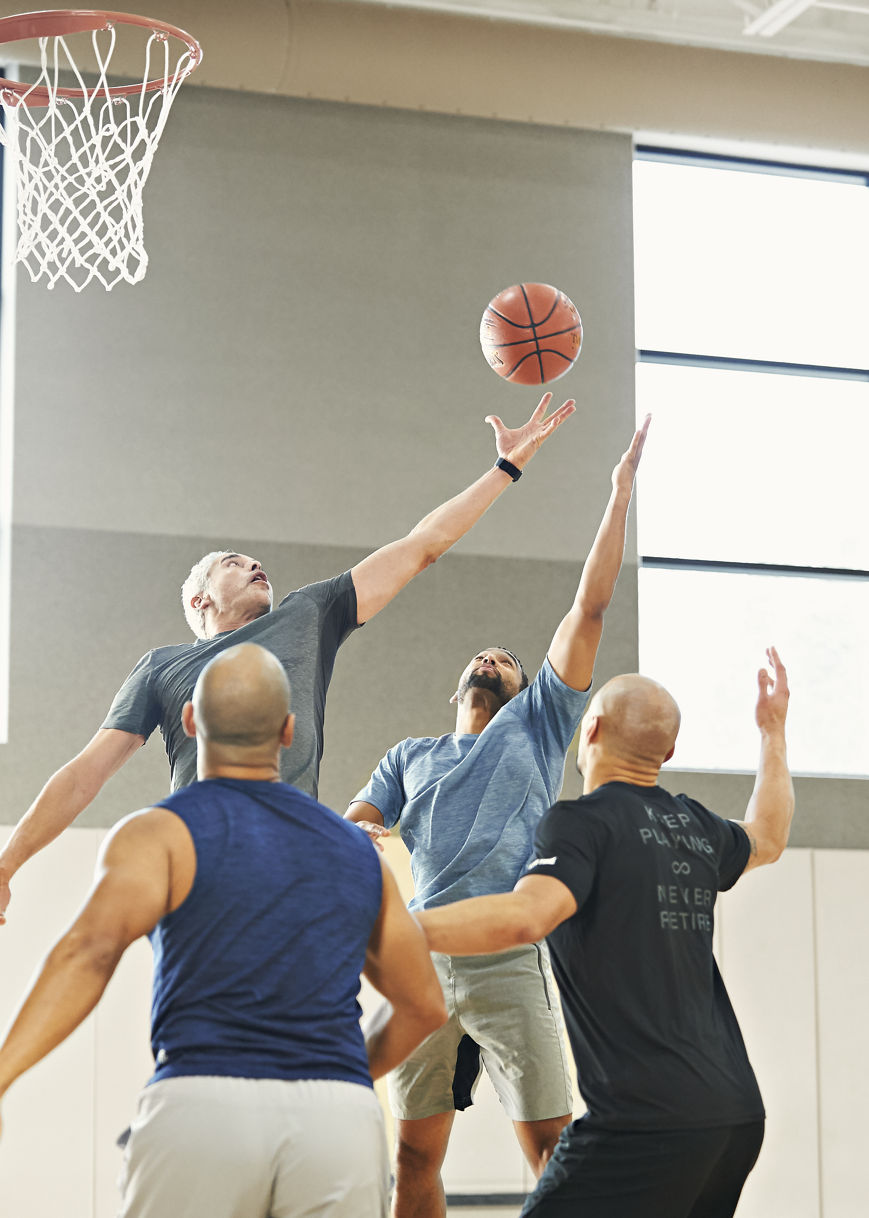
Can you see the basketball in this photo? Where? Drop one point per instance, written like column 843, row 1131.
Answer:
column 531, row 333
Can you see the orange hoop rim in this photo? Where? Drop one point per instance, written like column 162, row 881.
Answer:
column 50, row 23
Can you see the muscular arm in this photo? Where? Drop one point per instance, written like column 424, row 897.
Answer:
column 66, row 793
column 495, row 923
column 574, row 647
column 369, row 818
column 131, row 892
column 384, row 573
column 771, row 807
column 398, row 964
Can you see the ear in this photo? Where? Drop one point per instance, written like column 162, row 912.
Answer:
column 187, row 719
column 670, row 754
column 287, row 731
column 454, row 698
column 592, row 727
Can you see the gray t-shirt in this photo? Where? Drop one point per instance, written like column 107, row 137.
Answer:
column 304, row 632
column 468, row 806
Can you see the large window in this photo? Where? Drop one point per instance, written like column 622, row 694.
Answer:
column 753, row 357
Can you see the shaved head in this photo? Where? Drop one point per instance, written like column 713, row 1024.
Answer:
column 638, row 720
column 242, row 698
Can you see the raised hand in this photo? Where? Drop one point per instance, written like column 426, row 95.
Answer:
column 626, row 470
column 772, row 695
column 519, row 444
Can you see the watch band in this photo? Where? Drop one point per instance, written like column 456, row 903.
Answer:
column 509, row 468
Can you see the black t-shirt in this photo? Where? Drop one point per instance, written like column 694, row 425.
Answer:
column 304, row 632
column 654, row 1036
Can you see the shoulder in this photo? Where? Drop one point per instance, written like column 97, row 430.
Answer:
column 548, row 690
column 322, row 592
column 143, row 830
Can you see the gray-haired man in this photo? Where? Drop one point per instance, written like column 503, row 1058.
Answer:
column 228, row 600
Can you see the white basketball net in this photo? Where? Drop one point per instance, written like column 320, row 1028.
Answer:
column 81, row 163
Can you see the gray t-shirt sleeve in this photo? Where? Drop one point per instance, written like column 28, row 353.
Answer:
column 385, row 789
column 135, row 707
column 336, row 599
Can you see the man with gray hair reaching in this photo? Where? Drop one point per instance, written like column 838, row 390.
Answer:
column 261, row 1101
column 228, row 600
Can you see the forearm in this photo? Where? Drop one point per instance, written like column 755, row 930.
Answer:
column 479, row 925
column 443, row 527
column 68, row 987
column 771, row 807
column 601, row 570
column 54, row 809
column 393, row 1035
column 378, row 578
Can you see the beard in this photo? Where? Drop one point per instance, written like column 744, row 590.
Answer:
column 490, row 681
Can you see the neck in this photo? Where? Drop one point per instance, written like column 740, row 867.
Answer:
column 229, row 763
column 477, row 708
column 220, row 622
column 600, row 770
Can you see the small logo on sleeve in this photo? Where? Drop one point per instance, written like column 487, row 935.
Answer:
column 543, row 862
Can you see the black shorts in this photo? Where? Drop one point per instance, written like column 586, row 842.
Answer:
column 684, row 1173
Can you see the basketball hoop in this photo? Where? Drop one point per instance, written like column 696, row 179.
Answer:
column 83, row 153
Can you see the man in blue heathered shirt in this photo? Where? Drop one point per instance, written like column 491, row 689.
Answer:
column 468, row 805
column 261, row 1103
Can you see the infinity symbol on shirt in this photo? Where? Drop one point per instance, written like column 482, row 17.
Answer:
column 681, row 868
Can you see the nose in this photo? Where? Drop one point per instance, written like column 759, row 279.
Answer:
column 256, row 566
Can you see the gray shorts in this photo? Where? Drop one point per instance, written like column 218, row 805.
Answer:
column 508, row 1004
column 209, row 1147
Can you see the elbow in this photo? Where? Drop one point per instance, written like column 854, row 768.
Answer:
column 436, row 1014
column 91, row 951
column 529, row 928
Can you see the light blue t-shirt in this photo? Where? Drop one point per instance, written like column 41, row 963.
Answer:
column 469, row 805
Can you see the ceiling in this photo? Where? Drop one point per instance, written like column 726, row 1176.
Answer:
column 833, row 30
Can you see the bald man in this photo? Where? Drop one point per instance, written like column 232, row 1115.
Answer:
column 261, row 1103
column 623, row 885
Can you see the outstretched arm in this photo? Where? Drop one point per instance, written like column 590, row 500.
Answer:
column 574, row 647
column 771, row 807
column 398, row 964
column 131, row 892
column 384, row 573
column 66, row 793
column 480, row 925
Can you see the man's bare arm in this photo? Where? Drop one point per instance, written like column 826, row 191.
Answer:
column 369, row 818
column 131, row 892
column 574, row 647
column 480, row 925
column 771, row 807
column 67, row 792
column 384, row 573
column 398, row 964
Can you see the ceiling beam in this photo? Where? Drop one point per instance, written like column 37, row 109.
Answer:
column 774, row 19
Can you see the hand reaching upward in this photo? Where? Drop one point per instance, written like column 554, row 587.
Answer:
column 626, row 470
column 772, row 695
column 519, row 444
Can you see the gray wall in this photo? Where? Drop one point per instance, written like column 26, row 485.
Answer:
column 299, row 377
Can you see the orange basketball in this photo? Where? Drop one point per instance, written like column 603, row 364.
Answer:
column 531, row 333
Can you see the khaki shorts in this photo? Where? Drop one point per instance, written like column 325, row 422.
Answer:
column 211, row 1147
column 508, row 1004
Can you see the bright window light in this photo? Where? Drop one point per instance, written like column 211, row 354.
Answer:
column 751, row 265
column 753, row 467
column 705, row 635
column 753, row 330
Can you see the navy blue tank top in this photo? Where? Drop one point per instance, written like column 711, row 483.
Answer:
column 256, row 974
